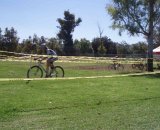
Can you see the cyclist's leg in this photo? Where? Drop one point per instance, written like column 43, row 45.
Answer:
column 48, row 64
column 51, row 62
column 52, row 59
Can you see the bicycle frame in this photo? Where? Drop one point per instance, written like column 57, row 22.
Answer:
column 39, row 63
column 116, row 65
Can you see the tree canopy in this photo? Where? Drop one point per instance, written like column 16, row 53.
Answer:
column 67, row 26
column 137, row 17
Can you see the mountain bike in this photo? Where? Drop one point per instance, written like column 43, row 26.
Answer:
column 37, row 71
column 139, row 66
column 116, row 66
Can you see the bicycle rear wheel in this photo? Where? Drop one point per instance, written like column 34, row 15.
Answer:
column 57, row 71
column 35, row 72
column 111, row 67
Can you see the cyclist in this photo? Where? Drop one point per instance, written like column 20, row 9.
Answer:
column 52, row 56
column 115, row 59
column 115, row 62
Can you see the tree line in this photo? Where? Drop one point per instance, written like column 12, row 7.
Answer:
column 104, row 46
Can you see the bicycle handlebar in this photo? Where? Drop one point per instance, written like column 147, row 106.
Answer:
column 40, row 58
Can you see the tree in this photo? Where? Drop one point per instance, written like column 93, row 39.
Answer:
column 137, row 17
column 19, row 48
column 1, row 40
column 108, row 47
column 10, row 39
column 95, row 46
column 139, row 48
column 67, row 26
column 123, row 49
column 101, row 48
column 83, row 47
column 157, row 37
column 27, row 45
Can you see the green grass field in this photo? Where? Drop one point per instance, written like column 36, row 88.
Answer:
column 15, row 69
column 118, row 103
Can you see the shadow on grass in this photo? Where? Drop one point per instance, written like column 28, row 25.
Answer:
column 151, row 76
column 97, row 103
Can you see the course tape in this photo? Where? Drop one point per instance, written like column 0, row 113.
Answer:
column 72, row 78
column 77, row 59
column 74, row 57
column 94, row 62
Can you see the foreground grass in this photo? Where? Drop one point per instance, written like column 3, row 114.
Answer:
column 122, row 103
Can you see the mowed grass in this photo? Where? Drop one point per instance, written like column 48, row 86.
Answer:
column 18, row 69
column 119, row 103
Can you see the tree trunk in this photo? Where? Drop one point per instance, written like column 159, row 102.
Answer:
column 150, row 36
column 150, row 55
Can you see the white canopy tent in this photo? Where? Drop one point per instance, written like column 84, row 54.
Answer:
column 156, row 51
column 156, row 55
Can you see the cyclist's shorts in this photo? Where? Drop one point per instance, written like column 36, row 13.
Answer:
column 52, row 59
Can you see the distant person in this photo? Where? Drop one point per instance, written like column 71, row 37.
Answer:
column 52, row 56
column 115, row 59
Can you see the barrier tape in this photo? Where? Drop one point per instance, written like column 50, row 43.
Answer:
column 75, row 59
column 85, row 62
column 72, row 78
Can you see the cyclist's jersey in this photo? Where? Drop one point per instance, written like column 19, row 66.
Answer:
column 51, row 53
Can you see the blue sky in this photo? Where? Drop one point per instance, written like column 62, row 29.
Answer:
column 39, row 17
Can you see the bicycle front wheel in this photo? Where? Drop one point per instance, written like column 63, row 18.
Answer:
column 120, row 67
column 133, row 66
column 141, row 67
column 58, row 71
column 35, row 72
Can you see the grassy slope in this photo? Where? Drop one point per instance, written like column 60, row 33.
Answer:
column 108, row 103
